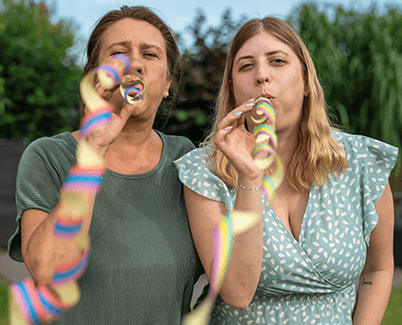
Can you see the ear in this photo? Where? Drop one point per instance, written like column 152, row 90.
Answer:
column 168, row 84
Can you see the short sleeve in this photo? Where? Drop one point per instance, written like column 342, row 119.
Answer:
column 195, row 173
column 374, row 161
column 39, row 179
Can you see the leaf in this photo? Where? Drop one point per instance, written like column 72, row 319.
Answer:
column 343, row 114
column 36, row 87
column 181, row 116
column 200, row 119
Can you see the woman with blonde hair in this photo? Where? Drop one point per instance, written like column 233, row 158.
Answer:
column 331, row 221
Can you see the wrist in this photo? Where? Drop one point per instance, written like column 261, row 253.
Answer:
column 101, row 151
column 96, row 148
column 250, row 184
column 249, row 188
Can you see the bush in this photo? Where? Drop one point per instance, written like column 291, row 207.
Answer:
column 38, row 80
column 359, row 63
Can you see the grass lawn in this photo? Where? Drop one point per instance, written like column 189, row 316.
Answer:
column 3, row 304
column 393, row 314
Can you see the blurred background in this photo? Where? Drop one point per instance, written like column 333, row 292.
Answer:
column 356, row 47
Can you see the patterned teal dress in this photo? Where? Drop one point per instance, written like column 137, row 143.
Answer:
column 310, row 281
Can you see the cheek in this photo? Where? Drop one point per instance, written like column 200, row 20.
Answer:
column 241, row 92
column 298, row 80
column 293, row 88
column 236, row 95
column 160, row 77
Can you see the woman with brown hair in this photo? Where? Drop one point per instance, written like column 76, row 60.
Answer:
column 299, row 263
column 142, row 264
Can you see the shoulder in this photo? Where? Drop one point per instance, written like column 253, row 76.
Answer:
column 370, row 164
column 62, row 144
column 360, row 147
column 196, row 158
column 196, row 173
column 50, row 157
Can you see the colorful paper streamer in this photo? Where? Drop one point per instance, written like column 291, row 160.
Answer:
column 36, row 305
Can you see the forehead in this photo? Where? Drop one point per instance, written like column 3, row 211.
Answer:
column 263, row 42
column 135, row 31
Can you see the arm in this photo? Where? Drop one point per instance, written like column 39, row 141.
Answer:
column 376, row 278
column 40, row 249
column 244, row 269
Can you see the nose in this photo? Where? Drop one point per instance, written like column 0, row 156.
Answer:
column 262, row 75
column 137, row 66
column 260, row 81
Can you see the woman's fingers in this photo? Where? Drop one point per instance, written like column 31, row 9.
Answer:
column 236, row 117
column 233, row 120
column 103, row 92
column 230, row 119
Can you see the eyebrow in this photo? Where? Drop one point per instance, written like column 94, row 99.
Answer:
column 246, row 57
column 145, row 46
column 126, row 44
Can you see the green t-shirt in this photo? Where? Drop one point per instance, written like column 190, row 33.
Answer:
column 143, row 264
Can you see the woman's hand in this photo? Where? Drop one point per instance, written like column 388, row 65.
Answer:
column 236, row 143
column 103, row 136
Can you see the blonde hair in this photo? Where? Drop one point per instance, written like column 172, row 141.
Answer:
column 316, row 153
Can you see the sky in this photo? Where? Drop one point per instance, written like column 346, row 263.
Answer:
column 179, row 14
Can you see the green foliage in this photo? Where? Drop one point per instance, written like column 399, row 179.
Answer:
column 359, row 62
column 203, row 65
column 38, row 82
column 3, row 303
column 393, row 314
column 204, row 62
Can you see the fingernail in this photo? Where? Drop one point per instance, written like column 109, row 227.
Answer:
column 228, row 128
column 249, row 105
column 237, row 113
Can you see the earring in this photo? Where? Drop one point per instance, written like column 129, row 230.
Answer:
column 167, row 94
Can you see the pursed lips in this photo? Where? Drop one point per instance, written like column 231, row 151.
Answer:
column 269, row 96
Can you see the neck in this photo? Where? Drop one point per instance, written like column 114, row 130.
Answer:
column 134, row 135
column 135, row 141
column 136, row 150
column 284, row 150
column 286, row 143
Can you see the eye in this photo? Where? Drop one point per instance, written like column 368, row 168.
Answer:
column 115, row 52
column 245, row 66
column 150, row 55
column 278, row 61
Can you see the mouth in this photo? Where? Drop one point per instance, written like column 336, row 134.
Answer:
column 262, row 110
column 269, row 96
column 132, row 89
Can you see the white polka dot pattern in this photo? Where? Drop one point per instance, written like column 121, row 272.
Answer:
column 310, row 281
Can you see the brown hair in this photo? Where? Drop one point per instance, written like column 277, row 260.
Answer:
column 137, row 13
column 316, row 152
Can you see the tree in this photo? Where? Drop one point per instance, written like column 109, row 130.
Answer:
column 203, row 65
column 38, row 81
column 358, row 58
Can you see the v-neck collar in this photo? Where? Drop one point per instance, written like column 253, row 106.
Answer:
column 302, row 227
column 298, row 244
